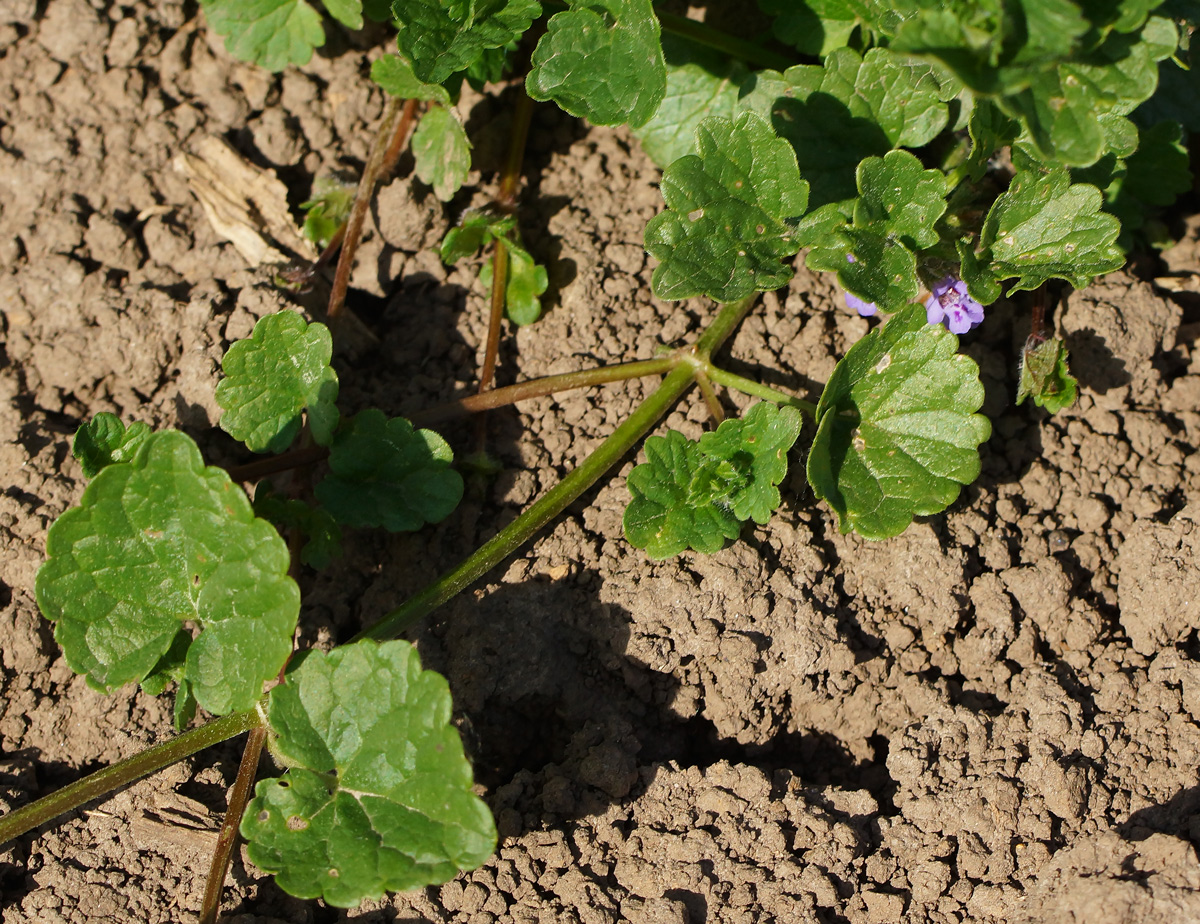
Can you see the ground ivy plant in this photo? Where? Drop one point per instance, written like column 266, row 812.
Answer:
column 935, row 157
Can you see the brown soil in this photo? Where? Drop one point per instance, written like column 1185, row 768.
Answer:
column 992, row 718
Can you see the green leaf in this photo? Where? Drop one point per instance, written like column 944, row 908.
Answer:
column 990, row 130
column 442, row 152
column 854, row 107
column 1044, row 227
column 757, row 443
column 898, row 197
column 275, row 33
column 601, row 60
column 725, row 233
column 814, row 27
column 386, row 474
column 680, row 499
column 442, row 37
column 527, row 281
column 327, row 210
column 1045, row 376
column 159, row 542
column 396, row 77
column 897, row 432
column 884, row 271
column 473, row 231
column 281, row 371
column 377, row 796
column 323, row 536
column 700, row 84
column 104, row 440
column 696, row 495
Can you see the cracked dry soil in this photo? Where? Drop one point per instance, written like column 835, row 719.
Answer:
column 993, row 718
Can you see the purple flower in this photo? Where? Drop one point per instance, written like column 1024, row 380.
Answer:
column 951, row 305
column 866, row 309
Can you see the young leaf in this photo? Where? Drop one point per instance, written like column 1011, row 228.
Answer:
column 1044, row 227
column 104, row 440
column 441, row 152
column 680, row 499
column 323, row 537
column 275, row 33
column 281, row 371
column 897, row 197
column 601, row 60
column 377, row 796
column 386, row 474
column 700, row 84
column 764, row 435
column 473, row 231
column 442, row 37
column 527, row 281
column 697, row 494
column 396, row 77
column 897, row 432
column 883, row 271
column 155, row 543
column 1045, row 376
column 724, row 232
column 327, row 210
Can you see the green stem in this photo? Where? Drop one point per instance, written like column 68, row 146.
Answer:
column 554, row 501
column 125, row 772
column 537, row 388
column 751, row 387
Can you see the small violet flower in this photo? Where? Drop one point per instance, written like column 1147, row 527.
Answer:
column 866, row 309
column 951, row 305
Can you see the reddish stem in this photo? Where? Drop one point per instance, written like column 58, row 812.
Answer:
column 228, row 835
column 358, row 212
column 285, row 462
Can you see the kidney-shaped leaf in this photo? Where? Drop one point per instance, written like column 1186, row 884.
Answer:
column 281, row 370
column 897, row 433
column 387, row 474
column 158, row 542
column 378, row 795
column 601, row 60
column 725, row 230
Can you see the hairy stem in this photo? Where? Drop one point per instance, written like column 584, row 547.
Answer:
column 395, row 147
column 548, row 385
column 358, row 213
column 710, row 397
column 227, row 838
column 554, row 501
column 125, row 772
column 751, row 387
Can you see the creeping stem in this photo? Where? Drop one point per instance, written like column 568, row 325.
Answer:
column 554, row 501
column 125, row 772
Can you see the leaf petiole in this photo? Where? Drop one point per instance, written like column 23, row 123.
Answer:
column 759, row 390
